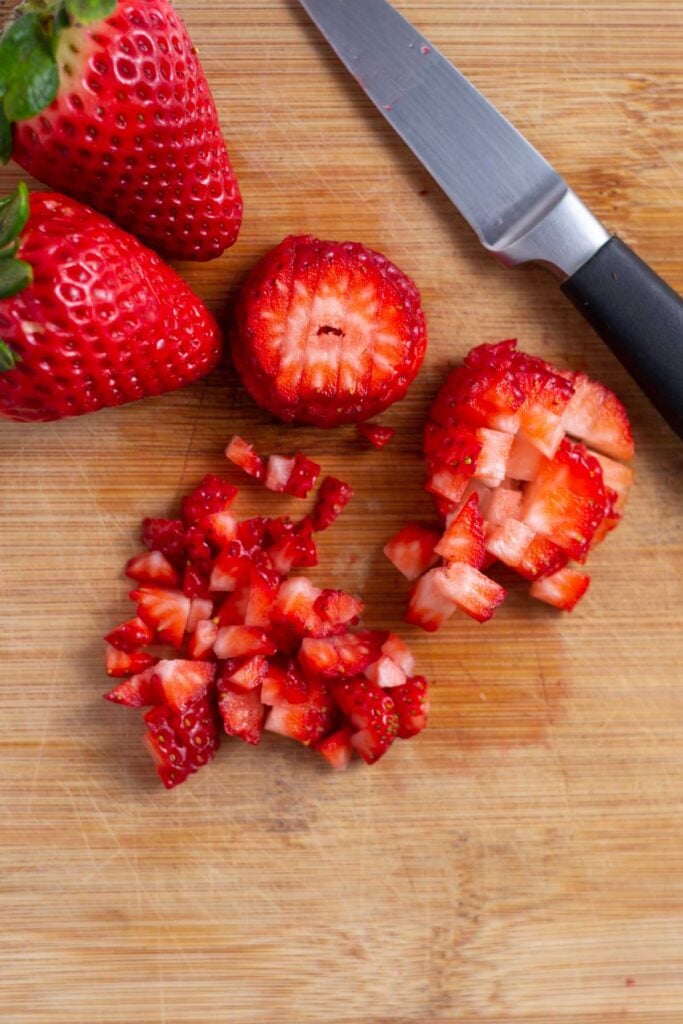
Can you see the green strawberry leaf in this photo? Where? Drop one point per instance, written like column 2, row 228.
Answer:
column 8, row 360
column 87, row 11
column 29, row 78
column 5, row 137
column 15, row 275
column 14, row 213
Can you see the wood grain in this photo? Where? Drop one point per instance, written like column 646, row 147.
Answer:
column 522, row 863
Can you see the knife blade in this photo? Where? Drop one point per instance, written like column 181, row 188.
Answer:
column 520, row 207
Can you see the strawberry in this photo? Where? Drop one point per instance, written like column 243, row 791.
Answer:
column 278, row 471
column 412, row 706
column 333, row 497
column 386, row 673
column 241, row 711
column 241, row 454
column 201, row 609
column 428, row 607
column 249, row 674
column 308, row 721
column 90, row 318
column 336, row 609
column 120, row 664
column 110, row 104
column 166, row 611
column 463, row 541
column 284, row 683
column 176, row 683
column 502, row 504
column 181, row 743
column 564, row 589
column 371, row 712
column 152, row 567
column 470, row 590
column 200, row 644
column 199, row 551
column 242, row 641
column 212, row 497
column 166, row 536
column 303, row 477
column 337, row 748
column 411, row 550
column 291, row 545
column 196, row 584
column 130, row 636
column 595, row 415
column 346, row 655
column 379, row 437
column 327, row 333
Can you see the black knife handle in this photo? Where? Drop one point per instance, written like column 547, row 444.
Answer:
column 641, row 319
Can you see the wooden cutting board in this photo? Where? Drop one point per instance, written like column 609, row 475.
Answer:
column 522, row 862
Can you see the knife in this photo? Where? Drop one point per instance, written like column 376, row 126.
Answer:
column 520, row 207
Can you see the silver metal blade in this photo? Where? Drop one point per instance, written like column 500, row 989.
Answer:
column 519, row 206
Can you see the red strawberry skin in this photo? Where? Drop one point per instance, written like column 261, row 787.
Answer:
column 134, row 132
column 104, row 322
column 327, row 333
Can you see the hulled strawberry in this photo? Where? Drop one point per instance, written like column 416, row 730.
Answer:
column 327, row 333
column 89, row 317
column 107, row 101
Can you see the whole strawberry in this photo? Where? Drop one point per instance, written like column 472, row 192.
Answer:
column 327, row 332
column 107, row 101
column 89, row 317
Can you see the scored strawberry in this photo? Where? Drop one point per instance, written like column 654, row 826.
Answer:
column 412, row 706
column 120, row 663
column 308, row 721
column 340, row 656
column 166, row 536
column 327, row 333
column 181, row 743
column 152, row 567
column 242, row 641
column 464, row 540
column 241, row 711
column 243, row 455
column 472, row 591
column 379, row 437
column 130, row 636
column 411, row 550
column 337, row 748
column 212, row 496
column 564, row 589
column 333, row 497
column 166, row 611
column 371, row 712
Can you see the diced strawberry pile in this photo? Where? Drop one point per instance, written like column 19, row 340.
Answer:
column 510, row 473
column 257, row 647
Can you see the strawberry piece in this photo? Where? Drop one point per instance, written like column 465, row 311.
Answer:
column 386, row 673
column 562, row 516
column 546, row 397
column 412, row 706
column 243, row 455
column 196, row 584
column 198, row 551
column 308, row 721
column 596, row 416
column 166, row 611
column 212, row 496
column 327, row 333
column 337, row 748
column 530, row 554
column 493, row 456
column 278, row 471
column 166, row 536
column 242, row 642
column 230, row 571
column 130, row 127
column 338, row 609
column 241, row 711
column 221, row 529
column 333, row 497
column 340, row 656
column 448, row 483
column 291, row 545
column 175, row 683
column 130, row 636
column 181, row 743
column 294, row 605
column 371, row 712
column 249, row 674
column 399, row 653
column 541, row 558
column 427, row 605
column 502, row 504
column 101, row 320
column 152, row 567
column 303, row 477
column 564, row 589
column 201, row 609
column 457, row 446
column 464, row 540
column 284, row 683
column 411, row 550
column 120, row 663
column 234, row 609
column 200, row 644
column 252, row 534
column 525, row 461
column 261, row 595
column 470, row 590
column 617, row 478
column 379, row 437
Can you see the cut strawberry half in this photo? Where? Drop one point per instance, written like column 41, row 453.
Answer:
column 337, row 748
column 243, row 455
column 564, row 589
column 166, row 536
column 241, row 711
column 372, row 713
column 212, row 496
column 152, row 567
column 379, row 437
column 411, row 550
column 242, row 642
column 340, row 656
column 130, row 636
column 333, row 497
column 120, row 663
column 166, row 611
column 411, row 702
column 308, row 721
column 464, row 540
column 181, row 743
column 470, row 590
